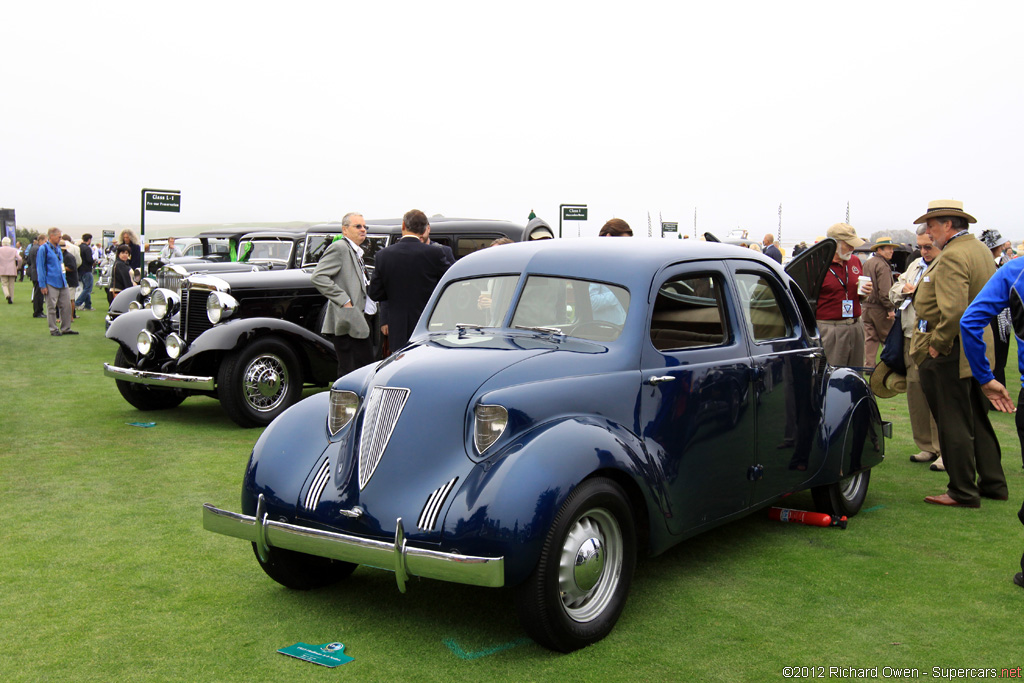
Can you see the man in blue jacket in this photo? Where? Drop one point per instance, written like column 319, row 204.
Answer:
column 53, row 284
column 1005, row 288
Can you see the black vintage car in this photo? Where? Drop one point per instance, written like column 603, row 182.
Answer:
column 252, row 338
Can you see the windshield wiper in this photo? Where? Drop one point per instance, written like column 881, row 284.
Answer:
column 553, row 331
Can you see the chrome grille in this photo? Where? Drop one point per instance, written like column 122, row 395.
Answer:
column 168, row 279
column 383, row 408
column 193, row 313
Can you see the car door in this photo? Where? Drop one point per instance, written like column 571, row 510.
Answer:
column 784, row 371
column 695, row 410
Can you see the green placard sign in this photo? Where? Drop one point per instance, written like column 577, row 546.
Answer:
column 574, row 213
column 669, row 227
column 163, row 201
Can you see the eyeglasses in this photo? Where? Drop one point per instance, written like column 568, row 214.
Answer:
column 358, row 227
column 926, row 247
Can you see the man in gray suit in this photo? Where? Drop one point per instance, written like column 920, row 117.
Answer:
column 341, row 277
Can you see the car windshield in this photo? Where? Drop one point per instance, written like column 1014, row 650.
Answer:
column 577, row 308
column 266, row 250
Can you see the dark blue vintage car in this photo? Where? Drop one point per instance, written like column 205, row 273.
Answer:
column 562, row 407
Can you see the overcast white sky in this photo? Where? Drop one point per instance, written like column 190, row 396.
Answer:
column 284, row 111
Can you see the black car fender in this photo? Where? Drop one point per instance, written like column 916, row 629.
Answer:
column 119, row 306
column 524, row 486
column 315, row 352
column 125, row 328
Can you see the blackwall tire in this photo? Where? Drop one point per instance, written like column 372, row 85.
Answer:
column 580, row 584
column 845, row 497
column 141, row 396
column 259, row 382
column 300, row 571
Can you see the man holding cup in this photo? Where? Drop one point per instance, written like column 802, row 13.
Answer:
column 838, row 314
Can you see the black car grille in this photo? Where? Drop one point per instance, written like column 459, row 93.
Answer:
column 193, row 313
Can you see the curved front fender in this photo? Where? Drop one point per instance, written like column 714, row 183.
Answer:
column 507, row 504
column 119, row 305
column 317, row 352
column 851, row 428
column 125, row 328
column 286, row 452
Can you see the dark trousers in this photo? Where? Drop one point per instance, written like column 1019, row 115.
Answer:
column 352, row 353
column 1019, row 419
column 37, row 299
column 970, row 449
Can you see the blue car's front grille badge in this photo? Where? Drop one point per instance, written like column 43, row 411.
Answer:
column 435, row 501
column 383, row 408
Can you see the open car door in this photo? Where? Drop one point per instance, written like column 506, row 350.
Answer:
column 809, row 268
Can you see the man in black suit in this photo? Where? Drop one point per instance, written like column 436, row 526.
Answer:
column 404, row 276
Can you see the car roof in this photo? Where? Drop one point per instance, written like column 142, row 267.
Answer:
column 630, row 262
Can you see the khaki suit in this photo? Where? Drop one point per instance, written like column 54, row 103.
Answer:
column 970, row 449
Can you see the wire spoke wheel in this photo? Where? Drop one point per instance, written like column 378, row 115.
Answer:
column 265, row 382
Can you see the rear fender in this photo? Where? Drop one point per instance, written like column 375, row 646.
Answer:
column 507, row 503
column 851, row 428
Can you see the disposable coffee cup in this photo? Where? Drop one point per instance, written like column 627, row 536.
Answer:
column 862, row 283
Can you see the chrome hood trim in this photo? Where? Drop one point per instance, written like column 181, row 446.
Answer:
column 383, row 408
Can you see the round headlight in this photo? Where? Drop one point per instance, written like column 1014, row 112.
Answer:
column 164, row 302
column 147, row 285
column 174, row 345
column 144, row 343
column 341, row 410
column 134, row 306
column 220, row 306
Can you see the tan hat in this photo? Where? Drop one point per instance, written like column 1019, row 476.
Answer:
column 882, row 242
column 886, row 383
column 945, row 207
column 844, row 232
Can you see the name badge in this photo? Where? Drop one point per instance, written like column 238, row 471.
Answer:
column 847, row 308
column 927, row 278
column 904, row 305
column 922, row 325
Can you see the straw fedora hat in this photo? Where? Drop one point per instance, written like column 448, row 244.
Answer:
column 945, row 207
column 883, row 242
column 886, row 383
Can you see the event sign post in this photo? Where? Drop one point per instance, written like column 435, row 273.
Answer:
column 571, row 212
column 669, row 228
column 157, row 200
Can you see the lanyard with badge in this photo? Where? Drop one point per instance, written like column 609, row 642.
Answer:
column 847, row 304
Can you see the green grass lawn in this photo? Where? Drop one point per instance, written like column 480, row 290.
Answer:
column 106, row 573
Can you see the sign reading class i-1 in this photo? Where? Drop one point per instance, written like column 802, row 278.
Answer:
column 667, row 227
column 163, row 201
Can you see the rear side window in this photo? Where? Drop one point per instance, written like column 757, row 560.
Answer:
column 762, row 308
column 689, row 313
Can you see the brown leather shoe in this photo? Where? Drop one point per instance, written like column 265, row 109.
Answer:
column 923, row 456
column 944, row 499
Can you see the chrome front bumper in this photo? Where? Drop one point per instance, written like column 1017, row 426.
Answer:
column 396, row 556
column 159, row 379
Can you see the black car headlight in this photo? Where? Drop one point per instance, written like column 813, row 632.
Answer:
column 488, row 425
column 163, row 303
column 220, row 306
column 147, row 286
column 342, row 408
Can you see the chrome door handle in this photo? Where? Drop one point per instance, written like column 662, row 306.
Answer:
column 660, row 380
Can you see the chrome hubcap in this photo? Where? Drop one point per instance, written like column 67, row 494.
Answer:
column 590, row 565
column 265, row 382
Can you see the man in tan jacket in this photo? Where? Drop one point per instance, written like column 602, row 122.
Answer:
column 970, row 449
column 878, row 311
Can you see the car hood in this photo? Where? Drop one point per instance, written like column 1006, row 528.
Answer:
column 410, row 445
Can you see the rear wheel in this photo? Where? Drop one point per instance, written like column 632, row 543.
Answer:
column 259, row 382
column 302, row 572
column 141, row 396
column 845, row 497
column 578, row 589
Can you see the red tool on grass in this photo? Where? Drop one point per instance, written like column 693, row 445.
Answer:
column 808, row 518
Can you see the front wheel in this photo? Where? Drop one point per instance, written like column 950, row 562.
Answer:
column 141, row 396
column 845, row 497
column 258, row 382
column 300, row 571
column 578, row 589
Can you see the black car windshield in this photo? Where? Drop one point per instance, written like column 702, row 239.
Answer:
column 577, row 308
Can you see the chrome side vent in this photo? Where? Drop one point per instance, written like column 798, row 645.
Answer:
column 435, row 501
column 383, row 408
column 316, row 489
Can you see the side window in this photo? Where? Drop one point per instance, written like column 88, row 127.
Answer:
column 760, row 302
column 194, row 250
column 467, row 245
column 689, row 313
